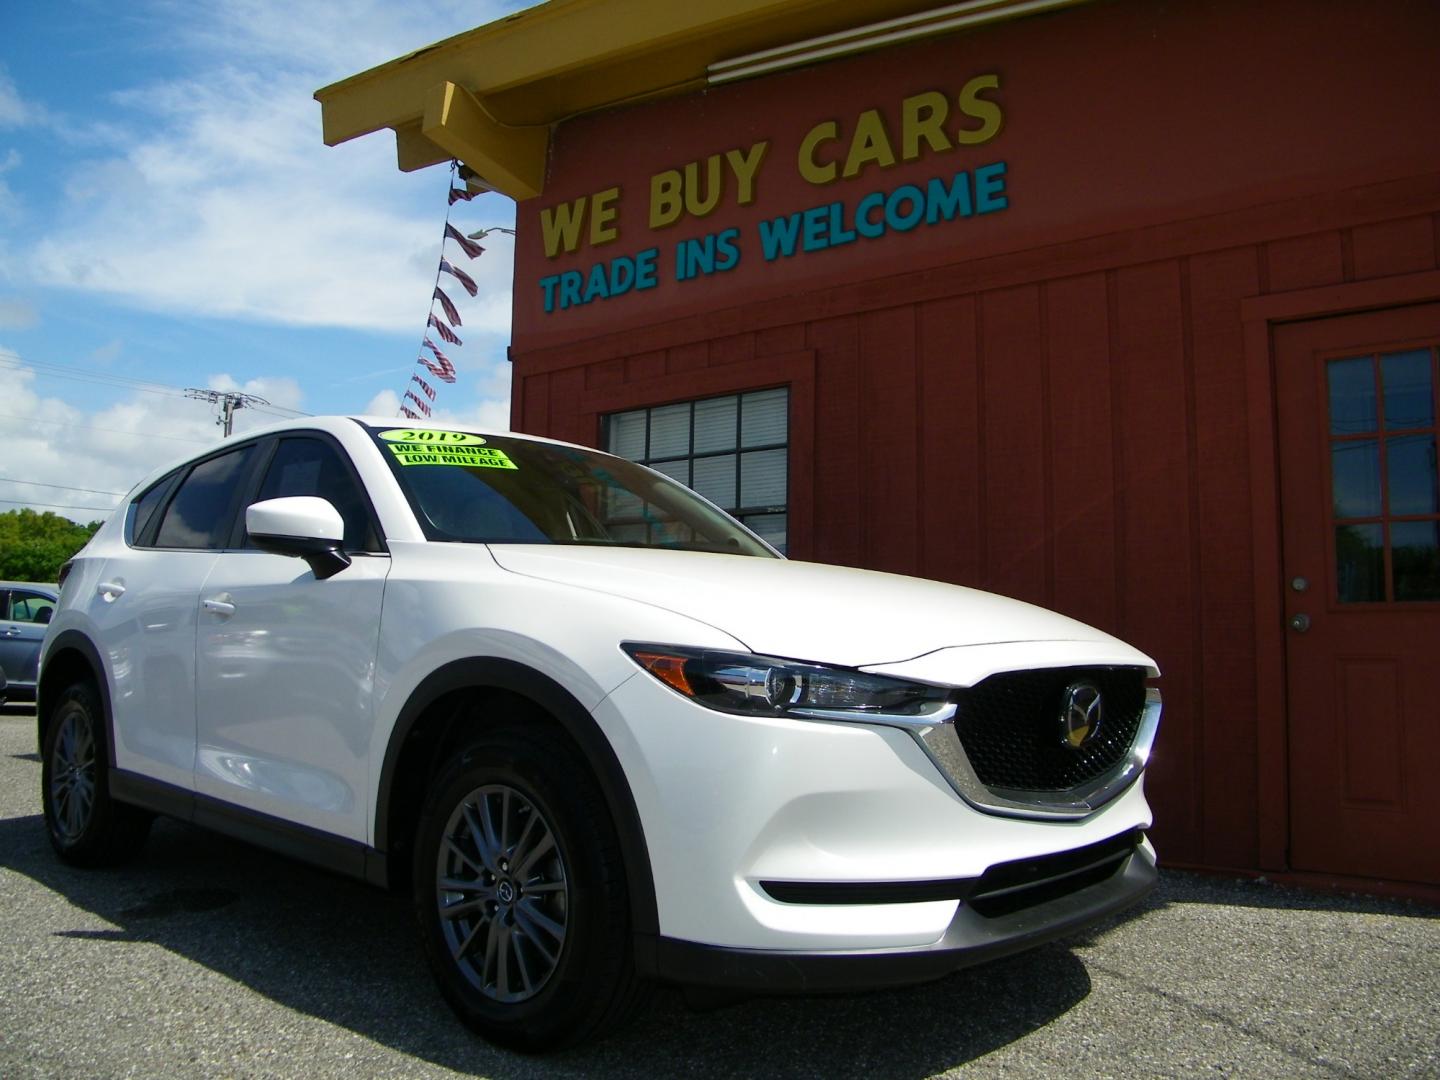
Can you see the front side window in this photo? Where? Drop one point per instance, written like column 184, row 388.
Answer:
column 310, row 466
column 202, row 512
column 733, row 450
column 497, row 489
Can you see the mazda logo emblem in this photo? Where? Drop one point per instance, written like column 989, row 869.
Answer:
column 1081, row 713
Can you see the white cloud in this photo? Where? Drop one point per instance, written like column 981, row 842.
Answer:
column 15, row 111
column 58, row 450
column 214, row 195
column 17, row 313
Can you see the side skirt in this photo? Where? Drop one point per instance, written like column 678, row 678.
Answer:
column 329, row 852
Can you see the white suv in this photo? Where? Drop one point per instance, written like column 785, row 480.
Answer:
column 604, row 734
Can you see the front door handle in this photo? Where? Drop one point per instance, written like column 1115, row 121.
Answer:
column 220, row 605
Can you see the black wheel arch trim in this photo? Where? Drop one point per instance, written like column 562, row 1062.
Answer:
column 493, row 673
column 73, row 641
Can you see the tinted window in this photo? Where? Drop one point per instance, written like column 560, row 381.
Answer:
column 142, row 510
column 200, row 515
column 28, row 607
column 313, row 467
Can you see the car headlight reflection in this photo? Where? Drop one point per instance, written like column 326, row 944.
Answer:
column 755, row 685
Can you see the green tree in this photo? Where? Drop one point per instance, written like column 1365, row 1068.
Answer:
column 34, row 546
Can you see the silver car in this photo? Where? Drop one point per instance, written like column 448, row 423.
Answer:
column 25, row 611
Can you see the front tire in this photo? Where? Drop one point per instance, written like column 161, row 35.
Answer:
column 85, row 825
column 520, row 894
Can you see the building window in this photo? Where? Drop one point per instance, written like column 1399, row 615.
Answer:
column 733, row 450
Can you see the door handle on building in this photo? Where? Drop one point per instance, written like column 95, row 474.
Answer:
column 1300, row 623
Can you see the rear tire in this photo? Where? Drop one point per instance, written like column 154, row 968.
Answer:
column 520, row 894
column 85, row 825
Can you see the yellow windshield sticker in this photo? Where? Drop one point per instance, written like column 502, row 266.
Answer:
column 419, row 453
column 432, row 436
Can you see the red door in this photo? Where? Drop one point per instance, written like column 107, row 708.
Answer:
column 1360, row 513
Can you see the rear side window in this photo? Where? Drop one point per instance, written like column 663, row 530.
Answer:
column 201, row 514
column 308, row 466
column 142, row 510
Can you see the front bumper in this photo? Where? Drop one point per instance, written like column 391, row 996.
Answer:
column 1013, row 907
column 733, row 807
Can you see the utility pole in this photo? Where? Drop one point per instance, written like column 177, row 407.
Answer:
column 228, row 400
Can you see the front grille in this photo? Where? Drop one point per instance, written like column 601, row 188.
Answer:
column 1010, row 727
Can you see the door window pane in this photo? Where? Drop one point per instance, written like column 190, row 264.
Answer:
column 1352, row 395
column 200, row 514
column 1410, row 473
column 1414, row 552
column 1355, row 472
column 1415, row 557
column 1360, row 563
column 1409, row 393
column 305, row 466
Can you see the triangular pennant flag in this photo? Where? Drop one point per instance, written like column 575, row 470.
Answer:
column 436, row 350
column 466, row 244
column 443, row 329
column 444, row 371
column 465, row 279
column 449, row 306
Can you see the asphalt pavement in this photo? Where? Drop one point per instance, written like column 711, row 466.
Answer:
column 208, row 958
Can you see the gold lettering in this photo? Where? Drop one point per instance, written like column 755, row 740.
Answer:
column 745, row 166
column 986, row 111
column 665, row 199
column 810, row 169
column 560, row 226
column 923, row 118
column 602, row 216
column 870, row 144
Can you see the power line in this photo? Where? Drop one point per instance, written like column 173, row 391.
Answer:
column 61, row 487
column 114, row 431
column 61, row 371
column 123, row 382
column 60, row 506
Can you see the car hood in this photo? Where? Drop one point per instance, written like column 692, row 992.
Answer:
column 808, row 611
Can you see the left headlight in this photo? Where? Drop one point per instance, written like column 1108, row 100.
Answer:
column 753, row 685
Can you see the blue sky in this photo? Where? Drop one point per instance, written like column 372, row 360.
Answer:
column 170, row 218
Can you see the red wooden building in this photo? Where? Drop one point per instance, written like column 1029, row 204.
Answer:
column 1129, row 309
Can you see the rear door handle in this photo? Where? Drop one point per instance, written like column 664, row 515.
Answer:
column 219, row 605
column 110, row 590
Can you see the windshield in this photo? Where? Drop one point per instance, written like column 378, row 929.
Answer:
column 494, row 489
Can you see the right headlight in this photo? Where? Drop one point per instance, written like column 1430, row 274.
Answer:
column 754, row 685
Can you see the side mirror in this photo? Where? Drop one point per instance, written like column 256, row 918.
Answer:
column 304, row 526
